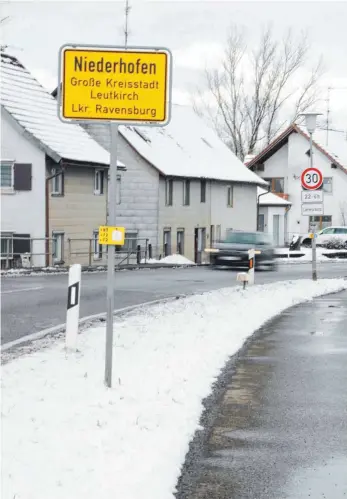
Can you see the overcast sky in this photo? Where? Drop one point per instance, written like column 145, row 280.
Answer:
column 195, row 31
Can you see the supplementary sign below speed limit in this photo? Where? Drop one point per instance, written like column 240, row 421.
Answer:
column 114, row 84
column 312, row 196
column 311, row 179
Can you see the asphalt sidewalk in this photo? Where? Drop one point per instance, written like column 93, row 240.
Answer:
column 276, row 426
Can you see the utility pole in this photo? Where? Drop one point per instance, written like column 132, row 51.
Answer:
column 126, row 27
column 329, row 110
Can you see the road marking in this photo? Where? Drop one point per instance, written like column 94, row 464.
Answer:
column 21, row 290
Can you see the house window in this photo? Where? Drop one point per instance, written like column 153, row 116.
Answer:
column 119, row 189
column 320, row 222
column 276, row 184
column 130, row 242
column 203, row 191
column 186, row 192
column 15, row 176
column 168, row 192
column 58, row 247
column 97, row 248
column 57, row 183
column 6, row 245
column 230, row 196
column 99, row 177
column 167, row 242
column 328, row 185
column 180, row 241
column 6, row 175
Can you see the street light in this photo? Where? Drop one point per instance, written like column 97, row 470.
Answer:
column 310, row 123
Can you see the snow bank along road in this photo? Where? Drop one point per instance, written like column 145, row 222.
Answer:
column 66, row 436
column 33, row 303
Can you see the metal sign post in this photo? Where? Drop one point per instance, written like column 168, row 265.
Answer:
column 112, row 208
column 312, row 202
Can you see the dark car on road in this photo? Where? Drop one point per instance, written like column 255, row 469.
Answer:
column 233, row 251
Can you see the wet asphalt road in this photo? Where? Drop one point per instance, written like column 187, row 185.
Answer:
column 33, row 303
column 279, row 431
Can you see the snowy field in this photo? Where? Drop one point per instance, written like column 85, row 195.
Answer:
column 65, row 436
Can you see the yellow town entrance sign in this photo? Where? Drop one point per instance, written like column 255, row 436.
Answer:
column 115, row 85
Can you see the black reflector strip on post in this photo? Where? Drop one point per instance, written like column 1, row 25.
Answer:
column 72, row 296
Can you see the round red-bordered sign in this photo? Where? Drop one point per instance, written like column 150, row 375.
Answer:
column 311, row 179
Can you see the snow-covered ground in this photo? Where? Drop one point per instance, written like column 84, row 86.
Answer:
column 66, row 436
column 170, row 260
column 307, row 255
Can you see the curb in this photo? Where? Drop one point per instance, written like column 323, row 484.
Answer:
column 39, row 335
column 87, row 269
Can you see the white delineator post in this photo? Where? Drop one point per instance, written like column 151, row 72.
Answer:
column 73, row 306
column 251, row 259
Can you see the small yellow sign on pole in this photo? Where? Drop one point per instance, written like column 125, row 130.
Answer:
column 111, row 235
column 113, row 84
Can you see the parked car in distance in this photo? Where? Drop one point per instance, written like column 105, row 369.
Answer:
column 330, row 237
column 233, row 251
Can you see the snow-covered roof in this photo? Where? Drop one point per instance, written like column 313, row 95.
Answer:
column 35, row 109
column 188, row 147
column 271, row 199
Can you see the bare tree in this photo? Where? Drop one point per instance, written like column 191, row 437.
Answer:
column 247, row 96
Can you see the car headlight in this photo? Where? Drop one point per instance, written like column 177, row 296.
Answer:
column 211, row 250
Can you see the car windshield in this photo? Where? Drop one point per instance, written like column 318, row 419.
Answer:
column 248, row 238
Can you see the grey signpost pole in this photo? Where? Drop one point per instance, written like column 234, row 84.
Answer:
column 314, row 246
column 112, row 206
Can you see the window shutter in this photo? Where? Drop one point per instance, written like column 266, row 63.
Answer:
column 63, row 184
column 22, row 176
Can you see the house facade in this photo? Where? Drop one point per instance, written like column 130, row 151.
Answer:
column 22, row 195
column 53, row 177
column 272, row 216
column 183, row 187
column 282, row 162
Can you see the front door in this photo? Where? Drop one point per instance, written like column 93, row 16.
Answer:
column 196, row 245
column 167, row 242
column 261, row 222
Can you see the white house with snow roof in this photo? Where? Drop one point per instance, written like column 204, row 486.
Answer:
column 272, row 215
column 40, row 214
column 183, row 187
column 282, row 162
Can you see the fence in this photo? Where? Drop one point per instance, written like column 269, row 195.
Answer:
column 19, row 252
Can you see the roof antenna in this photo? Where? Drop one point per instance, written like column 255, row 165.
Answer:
column 126, row 27
column 328, row 115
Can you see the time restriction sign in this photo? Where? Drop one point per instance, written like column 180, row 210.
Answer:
column 311, row 179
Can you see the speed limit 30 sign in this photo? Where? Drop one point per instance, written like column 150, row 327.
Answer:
column 311, row 179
